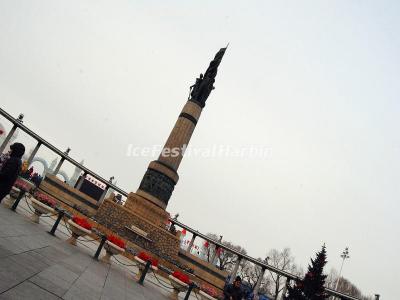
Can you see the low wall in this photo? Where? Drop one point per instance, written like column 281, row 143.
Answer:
column 63, row 192
column 203, row 270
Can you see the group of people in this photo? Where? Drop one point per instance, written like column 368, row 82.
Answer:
column 10, row 167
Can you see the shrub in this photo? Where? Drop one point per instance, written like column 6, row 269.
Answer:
column 209, row 290
column 145, row 257
column 46, row 199
column 82, row 222
column 182, row 277
column 22, row 185
column 116, row 241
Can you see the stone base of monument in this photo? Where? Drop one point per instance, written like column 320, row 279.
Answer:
column 140, row 222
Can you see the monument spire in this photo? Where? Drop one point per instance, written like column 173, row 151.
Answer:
column 161, row 176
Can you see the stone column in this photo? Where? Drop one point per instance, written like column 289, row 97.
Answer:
column 80, row 182
column 214, row 254
column 216, row 250
column 258, row 284
column 235, row 269
column 35, row 150
column 57, row 169
column 161, row 176
column 104, row 194
column 8, row 138
column 191, row 242
column 106, row 190
column 284, row 290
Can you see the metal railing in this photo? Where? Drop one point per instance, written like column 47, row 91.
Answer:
column 218, row 244
column 62, row 154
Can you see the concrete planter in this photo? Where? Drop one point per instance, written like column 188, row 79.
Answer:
column 40, row 208
column 111, row 249
column 8, row 201
column 77, row 231
column 14, row 192
column 205, row 296
column 141, row 266
column 178, row 286
column 26, row 185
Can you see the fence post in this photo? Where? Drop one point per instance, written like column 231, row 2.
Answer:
column 8, row 138
column 146, row 269
column 61, row 214
column 102, row 242
column 16, row 202
column 258, row 284
column 235, row 269
column 35, row 150
column 191, row 287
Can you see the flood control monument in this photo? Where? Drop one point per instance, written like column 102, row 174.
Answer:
column 143, row 217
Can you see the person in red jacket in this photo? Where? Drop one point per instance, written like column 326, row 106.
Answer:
column 234, row 291
column 11, row 168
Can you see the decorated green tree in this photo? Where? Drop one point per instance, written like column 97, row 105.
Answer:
column 312, row 285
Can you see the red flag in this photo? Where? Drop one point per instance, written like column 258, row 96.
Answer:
column 206, row 244
column 184, row 231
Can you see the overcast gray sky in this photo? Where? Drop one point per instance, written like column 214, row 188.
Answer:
column 315, row 82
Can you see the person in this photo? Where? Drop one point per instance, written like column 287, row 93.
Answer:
column 3, row 158
column 11, row 168
column 234, row 291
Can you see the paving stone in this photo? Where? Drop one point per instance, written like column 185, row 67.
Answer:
column 12, row 274
column 53, row 284
column 27, row 290
column 4, row 252
column 29, row 262
column 36, row 265
column 90, row 284
column 114, row 287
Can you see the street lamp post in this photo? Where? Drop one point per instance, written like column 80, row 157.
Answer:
column 344, row 255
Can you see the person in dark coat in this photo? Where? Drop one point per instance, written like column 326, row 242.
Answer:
column 10, row 170
column 234, row 291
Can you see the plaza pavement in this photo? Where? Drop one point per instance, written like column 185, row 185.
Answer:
column 36, row 265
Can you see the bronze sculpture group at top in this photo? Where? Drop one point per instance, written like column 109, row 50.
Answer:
column 203, row 86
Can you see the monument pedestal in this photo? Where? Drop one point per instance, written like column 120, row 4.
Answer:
column 140, row 222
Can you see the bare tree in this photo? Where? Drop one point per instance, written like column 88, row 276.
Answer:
column 225, row 259
column 251, row 273
column 345, row 285
column 284, row 261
